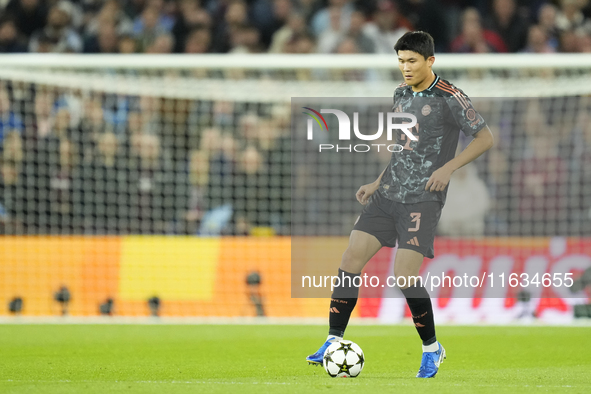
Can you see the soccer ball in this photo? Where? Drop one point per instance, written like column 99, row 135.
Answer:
column 343, row 359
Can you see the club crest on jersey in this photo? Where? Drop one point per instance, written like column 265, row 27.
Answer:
column 471, row 114
column 426, row 110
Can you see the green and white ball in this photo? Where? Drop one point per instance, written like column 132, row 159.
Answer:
column 343, row 359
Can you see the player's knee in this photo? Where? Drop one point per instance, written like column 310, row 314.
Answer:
column 406, row 277
column 352, row 261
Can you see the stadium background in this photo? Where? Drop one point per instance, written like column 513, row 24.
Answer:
column 129, row 172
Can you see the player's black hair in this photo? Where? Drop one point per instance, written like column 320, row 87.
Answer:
column 416, row 41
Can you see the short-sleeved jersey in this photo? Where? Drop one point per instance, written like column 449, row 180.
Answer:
column 442, row 110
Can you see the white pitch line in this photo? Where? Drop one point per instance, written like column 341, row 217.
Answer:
column 349, row 382
column 146, row 320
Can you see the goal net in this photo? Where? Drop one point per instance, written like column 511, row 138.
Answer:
column 136, row 162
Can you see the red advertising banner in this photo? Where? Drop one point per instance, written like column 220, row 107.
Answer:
column 491, row 280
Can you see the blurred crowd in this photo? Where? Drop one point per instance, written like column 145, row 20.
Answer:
column 93, row 163
column 81, row 162
column 76, row 162
column 291, row 26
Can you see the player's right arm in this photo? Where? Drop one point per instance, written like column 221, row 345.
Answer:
column 366, row 191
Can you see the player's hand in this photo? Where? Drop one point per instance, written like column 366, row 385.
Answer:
column 365, row 192
column 438, row 180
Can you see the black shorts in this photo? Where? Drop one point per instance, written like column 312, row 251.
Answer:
column 413, row 226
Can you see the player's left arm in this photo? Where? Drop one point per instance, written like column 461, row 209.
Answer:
column 483, row 141
column 463, row 115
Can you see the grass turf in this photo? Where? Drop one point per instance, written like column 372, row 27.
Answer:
column 248, row 359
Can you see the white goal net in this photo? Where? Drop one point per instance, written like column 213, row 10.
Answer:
column 135, row 144
column 201, row 146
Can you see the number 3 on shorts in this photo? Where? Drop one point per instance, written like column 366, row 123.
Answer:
column 416, row 218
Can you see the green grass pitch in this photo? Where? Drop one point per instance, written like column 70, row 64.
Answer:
column 271, row 359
